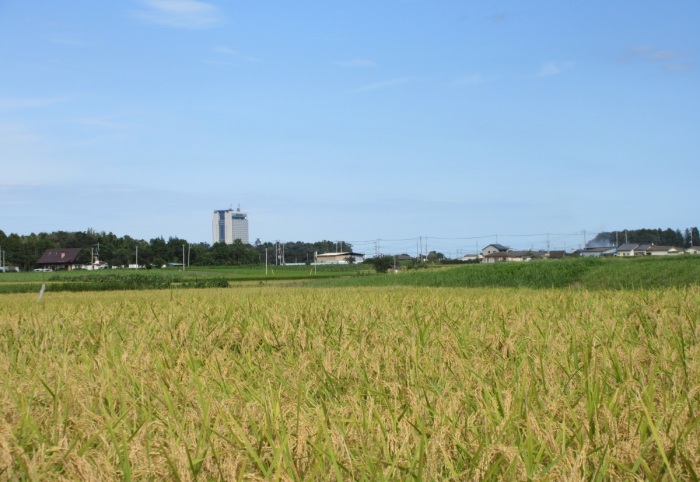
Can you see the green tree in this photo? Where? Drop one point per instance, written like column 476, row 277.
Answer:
column 381, row 263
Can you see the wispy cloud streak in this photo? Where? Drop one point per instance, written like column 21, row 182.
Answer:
column 235, row 54
column 549, row 69
column 669, row 59
column 189, row 14
column 17, row 103
column 471, row 79
column 384, row 84
column 355, row 63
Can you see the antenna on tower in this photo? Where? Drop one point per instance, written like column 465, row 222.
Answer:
column 239, row 207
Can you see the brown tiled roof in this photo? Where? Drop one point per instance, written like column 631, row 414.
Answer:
column 59, row 256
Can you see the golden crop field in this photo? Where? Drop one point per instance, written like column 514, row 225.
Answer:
column 274, row 383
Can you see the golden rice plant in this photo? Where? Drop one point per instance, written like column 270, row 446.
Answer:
column 350, row 384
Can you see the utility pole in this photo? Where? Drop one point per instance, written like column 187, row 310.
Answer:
column 183, row 257
column 547, row 242
column 584, row 239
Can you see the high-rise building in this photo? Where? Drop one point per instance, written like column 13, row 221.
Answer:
column 229, row 225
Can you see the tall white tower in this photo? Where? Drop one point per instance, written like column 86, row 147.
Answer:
column 229, row 225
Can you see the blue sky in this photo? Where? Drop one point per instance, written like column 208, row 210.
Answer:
column 390, row 119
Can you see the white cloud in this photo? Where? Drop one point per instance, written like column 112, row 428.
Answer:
column 191, row 14
column 653, row 54
column 669, row 59
column 229, row 52
column 17, row 103
column 384, row 84
column 549, row 69
column 355, row 63
column 471, row 79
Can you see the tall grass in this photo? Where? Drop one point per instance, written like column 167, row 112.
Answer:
column 400, row 383
column 587, row 273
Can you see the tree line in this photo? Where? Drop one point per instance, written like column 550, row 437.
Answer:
column 660, row 237
column 24, row 251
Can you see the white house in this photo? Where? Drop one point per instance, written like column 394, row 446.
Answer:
column 493, row 248
column 663, row 250
column 508, row 256
column 340, row 258
column 626, row 249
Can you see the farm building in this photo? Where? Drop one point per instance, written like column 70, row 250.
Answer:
column 340, row 258
column 597, row 252
column 60, row 259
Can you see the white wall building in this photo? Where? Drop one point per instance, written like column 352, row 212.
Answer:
column 229, row 225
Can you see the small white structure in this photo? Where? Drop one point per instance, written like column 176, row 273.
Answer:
column 345, row 257
column 597, row 252
column 472, row 257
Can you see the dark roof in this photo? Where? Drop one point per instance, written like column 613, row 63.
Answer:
column 59, row 256
column 557, row 254
column 499, row 247
column 511, row 254
column 628, row 247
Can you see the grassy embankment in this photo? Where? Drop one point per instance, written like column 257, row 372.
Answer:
column 351, row 383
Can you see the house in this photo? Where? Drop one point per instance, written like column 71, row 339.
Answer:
column 664, row 251
column 627, row 249
column 340, row 258
column 59, row 259
column 597, row 252
column 555, row 254
column 642, row 249
column 508, row 256
column 473, row 258
column 693, row 250
column 493, row 248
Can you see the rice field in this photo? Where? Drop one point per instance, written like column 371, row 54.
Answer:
column 274, row 383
